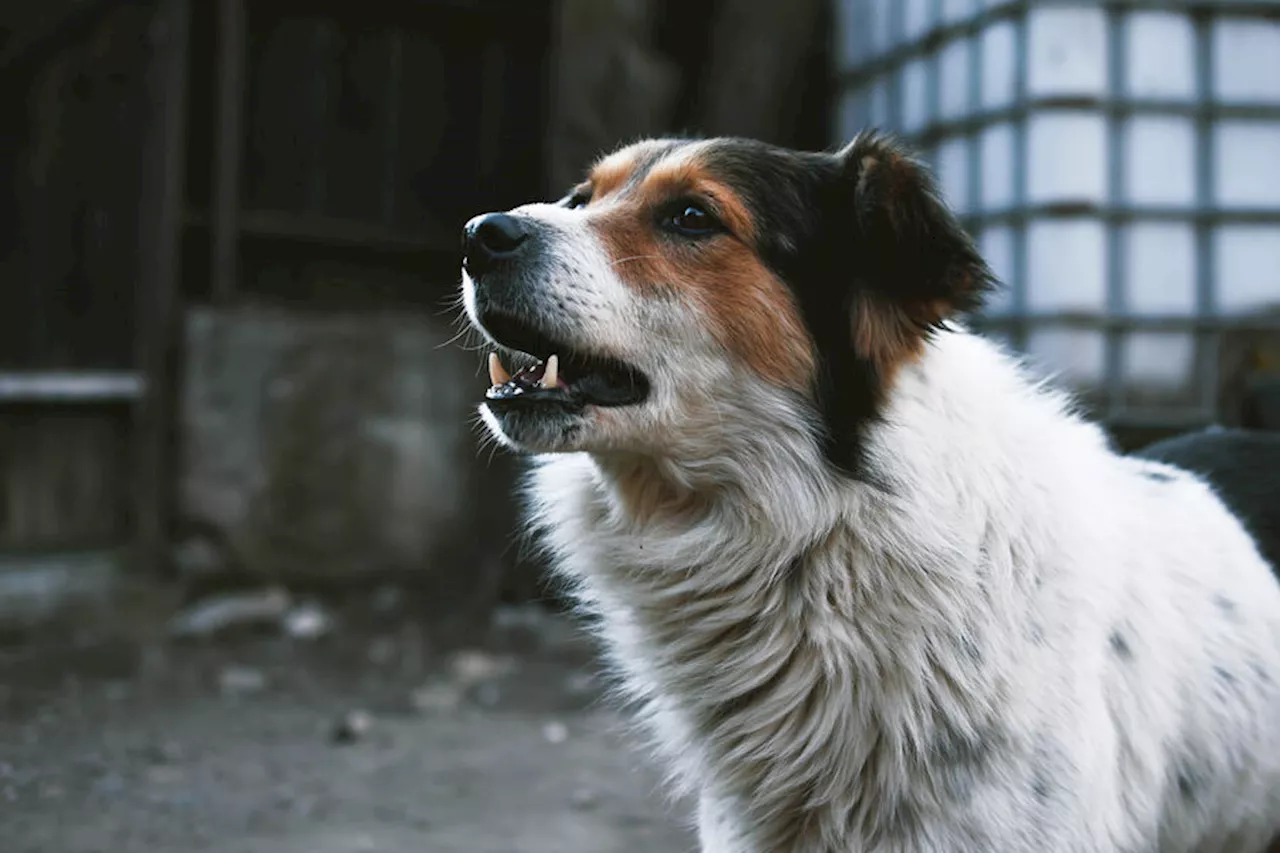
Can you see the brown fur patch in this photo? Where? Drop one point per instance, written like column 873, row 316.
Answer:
column 612, row 172
column 884, row 334
column 752, row 314
column 890, row 335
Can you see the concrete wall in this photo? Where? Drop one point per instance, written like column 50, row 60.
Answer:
column 337, row 449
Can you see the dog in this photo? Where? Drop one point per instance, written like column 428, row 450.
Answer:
column 874, row 585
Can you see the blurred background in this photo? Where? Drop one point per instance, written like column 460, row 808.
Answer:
column 260, row 588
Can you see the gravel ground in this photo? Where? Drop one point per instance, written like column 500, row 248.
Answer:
column 353, row 742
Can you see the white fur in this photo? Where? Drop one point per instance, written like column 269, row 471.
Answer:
column 1007, row 639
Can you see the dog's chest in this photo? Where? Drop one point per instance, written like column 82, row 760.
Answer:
column 752, row 686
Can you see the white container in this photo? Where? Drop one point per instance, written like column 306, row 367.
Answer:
column 1119, row 166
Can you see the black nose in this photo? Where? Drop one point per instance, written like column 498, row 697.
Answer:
column 491, row 238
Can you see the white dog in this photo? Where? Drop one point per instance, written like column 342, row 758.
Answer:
column 877, row 589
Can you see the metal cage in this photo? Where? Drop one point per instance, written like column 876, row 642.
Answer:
column 1117, row 160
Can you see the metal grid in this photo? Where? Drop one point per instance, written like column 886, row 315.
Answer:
column 1112, row 399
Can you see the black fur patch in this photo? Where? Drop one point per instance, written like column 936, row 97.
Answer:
column 836, row 227
column 969, row 648
column 1243, row 467
column 1259, row 672
column 1191, row 781
column 1225, row 676
column 1120, row 646
column 1227, row 606
column 1048, row 762
column 958, row 759
column 1035, row 633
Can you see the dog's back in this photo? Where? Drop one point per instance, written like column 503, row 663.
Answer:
column 1243, row 466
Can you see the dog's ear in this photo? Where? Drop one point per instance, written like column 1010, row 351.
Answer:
column 915, row 265
column 893, row 263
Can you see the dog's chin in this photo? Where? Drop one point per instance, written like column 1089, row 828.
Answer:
column 537, row 426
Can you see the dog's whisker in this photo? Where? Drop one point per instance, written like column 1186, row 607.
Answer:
column 450, row 305
column 627, row 260
column 462, row 333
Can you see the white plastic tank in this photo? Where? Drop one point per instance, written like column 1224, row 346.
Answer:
column 1118, row 162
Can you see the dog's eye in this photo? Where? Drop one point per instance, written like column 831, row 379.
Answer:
column 578, row 200
column 693, row 220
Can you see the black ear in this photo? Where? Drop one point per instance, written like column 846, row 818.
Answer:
column 915, row 254
column 895, row 263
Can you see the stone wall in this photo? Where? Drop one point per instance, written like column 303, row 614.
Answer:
column 330, row 449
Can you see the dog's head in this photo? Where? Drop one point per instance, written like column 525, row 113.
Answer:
column 689, row 288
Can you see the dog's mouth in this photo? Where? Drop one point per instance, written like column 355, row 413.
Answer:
column 558, row 375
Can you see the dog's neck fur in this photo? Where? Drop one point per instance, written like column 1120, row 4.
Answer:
column 757, row 601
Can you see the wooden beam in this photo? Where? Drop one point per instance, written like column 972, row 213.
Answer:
column 159, row 247
column 333, row 231
column 228, row 150
column 81, row 386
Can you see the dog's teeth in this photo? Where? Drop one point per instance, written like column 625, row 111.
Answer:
column 551, row 373
column 497, row 373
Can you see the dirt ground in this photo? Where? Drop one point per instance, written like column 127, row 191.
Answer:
column 357, row 741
